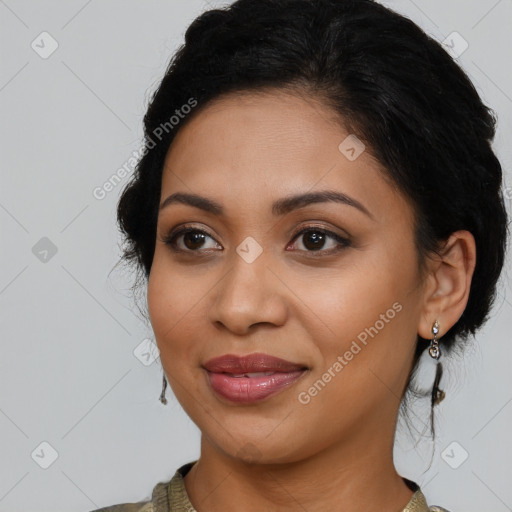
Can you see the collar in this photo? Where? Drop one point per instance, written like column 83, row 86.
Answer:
column 173, row 497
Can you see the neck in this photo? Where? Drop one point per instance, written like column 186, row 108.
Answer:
column 349, row 476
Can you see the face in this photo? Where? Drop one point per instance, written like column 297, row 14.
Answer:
column 331, row 286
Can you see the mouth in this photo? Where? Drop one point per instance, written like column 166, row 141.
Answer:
column 251, row 363
column 251, row 378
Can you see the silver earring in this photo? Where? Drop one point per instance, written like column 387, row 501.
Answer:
column 162, row 394
column 434, row 349
column 435, row 352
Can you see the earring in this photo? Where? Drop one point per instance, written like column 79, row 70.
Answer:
column 435, row 352
column 434, row 349
column 162, row 394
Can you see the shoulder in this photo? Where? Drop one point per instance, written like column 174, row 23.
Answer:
column 165, row 496
column 157, row 503
column 418, row 502
column 142, row 506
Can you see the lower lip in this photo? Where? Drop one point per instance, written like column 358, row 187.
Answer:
column 251, row 389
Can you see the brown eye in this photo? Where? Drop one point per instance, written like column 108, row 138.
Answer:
column 192, row 240
column 314, row 240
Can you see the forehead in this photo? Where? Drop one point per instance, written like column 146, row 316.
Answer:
column 247, row 150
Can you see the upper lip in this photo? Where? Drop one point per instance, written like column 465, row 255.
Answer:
column 231, row 363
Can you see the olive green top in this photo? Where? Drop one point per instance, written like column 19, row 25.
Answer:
column 172, row 497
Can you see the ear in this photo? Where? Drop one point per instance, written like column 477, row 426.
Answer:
column 447, row 284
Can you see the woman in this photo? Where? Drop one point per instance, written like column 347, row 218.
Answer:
column 317, row 205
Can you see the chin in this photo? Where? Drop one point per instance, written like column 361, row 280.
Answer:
column 256, row 450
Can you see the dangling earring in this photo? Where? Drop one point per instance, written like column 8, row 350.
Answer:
column 162, row 394
column 435, row 352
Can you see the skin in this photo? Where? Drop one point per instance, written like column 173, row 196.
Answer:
column 245, row 151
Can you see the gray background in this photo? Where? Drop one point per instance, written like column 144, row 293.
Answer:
column 70, row 377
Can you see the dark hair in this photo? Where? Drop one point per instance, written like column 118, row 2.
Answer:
column 392, row 85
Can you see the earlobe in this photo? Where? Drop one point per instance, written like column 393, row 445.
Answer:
column 449, row 283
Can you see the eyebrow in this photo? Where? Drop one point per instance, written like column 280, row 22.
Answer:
column 279, row 207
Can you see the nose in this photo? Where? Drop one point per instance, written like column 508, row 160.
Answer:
column 247, row 295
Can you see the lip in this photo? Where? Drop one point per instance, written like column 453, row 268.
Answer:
column 257, row 362
column 227, row 376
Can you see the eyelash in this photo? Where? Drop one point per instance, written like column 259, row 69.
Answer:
column 343, row 243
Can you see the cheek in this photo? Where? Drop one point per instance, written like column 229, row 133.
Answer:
column 370, row 313
column 354, row 297
column 170, row 293
column 177, row 302
column 170, row 300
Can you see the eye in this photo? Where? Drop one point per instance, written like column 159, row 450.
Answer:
column 192, row 239
column 188, row 239
column 314, row 239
